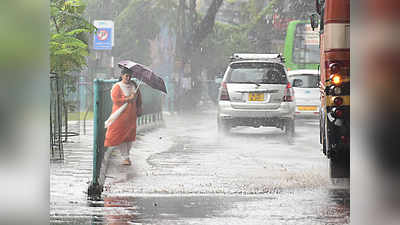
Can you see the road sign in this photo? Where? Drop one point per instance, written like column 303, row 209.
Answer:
column 104, row 36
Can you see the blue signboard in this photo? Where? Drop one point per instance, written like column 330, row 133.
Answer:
column 103, row 39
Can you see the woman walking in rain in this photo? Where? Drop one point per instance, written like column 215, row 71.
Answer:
column 121, row 125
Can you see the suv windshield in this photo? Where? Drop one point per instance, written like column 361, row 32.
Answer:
column 256, row 72
column 308, row 80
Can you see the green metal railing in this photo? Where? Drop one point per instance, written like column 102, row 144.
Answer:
column 152, row 114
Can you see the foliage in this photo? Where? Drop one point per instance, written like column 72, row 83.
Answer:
column 254, row 33
column 68, row 36
column 225, row 40
column 136, row 25
column 137, row 22
column 203, row 27
column 262, row 28
column 301, row 9
column 262, row 31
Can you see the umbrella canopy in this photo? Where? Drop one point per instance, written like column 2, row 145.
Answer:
column 144, row 74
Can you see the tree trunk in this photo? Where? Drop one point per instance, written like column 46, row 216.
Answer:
column 207, row 24
column 188, row 43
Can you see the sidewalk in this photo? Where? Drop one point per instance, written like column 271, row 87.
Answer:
column 70, row 178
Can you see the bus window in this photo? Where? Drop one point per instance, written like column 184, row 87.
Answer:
column 306, row 45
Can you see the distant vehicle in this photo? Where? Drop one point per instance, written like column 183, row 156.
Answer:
column 306, row 92
column 301, row 50
column 255, row 92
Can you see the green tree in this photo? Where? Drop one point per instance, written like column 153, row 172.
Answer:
column 68, row 36
column 301, row 9
column 138, row 23
column 192, row 30
column 264, row 16
column 225, row 40
column 68, row 45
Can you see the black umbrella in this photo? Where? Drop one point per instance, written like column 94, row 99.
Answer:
column 144, row 74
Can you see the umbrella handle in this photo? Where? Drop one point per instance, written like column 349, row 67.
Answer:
column 137, row 88
column 140, row 83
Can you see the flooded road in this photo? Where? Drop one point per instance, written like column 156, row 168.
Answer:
column 188, row 173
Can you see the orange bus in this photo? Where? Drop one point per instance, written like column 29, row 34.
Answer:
column 335, row 83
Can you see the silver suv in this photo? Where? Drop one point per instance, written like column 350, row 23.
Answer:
column 255, row 92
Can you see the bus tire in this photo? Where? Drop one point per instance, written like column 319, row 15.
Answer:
column 339, row 166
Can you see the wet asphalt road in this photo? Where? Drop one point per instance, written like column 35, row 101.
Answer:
column 188, row 173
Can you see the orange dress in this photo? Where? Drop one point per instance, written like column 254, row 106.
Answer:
column 123, row 129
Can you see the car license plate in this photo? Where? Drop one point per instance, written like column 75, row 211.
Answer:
column 307, row 108
column 256, row 96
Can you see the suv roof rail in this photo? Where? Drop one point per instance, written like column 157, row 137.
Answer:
column 256, row 56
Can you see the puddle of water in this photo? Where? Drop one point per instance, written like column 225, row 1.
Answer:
column 289, row 207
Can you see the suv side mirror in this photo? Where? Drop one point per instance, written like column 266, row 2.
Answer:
column 297, row 83
column 314, row 21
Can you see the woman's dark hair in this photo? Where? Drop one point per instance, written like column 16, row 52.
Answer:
column 126, row 71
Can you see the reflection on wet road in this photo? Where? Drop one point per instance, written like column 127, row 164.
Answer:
column 291, row 207
column 188, row 173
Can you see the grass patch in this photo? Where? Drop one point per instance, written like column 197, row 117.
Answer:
column 80, row 116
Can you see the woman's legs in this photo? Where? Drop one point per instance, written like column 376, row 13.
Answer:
column 125, row 150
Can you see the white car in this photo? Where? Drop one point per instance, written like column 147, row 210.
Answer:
column 306, row 91
column 255, row 92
